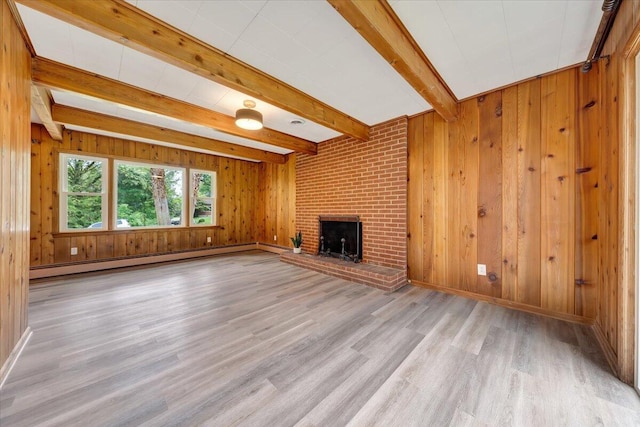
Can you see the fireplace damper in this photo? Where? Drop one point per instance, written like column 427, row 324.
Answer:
column 340, row 237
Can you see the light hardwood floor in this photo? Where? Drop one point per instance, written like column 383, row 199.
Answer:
column 245, row 339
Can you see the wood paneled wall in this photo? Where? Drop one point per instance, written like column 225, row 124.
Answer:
column 515, row 184
column 615, row 311
column 237, row 184
column 276, row 205
column 15, row 79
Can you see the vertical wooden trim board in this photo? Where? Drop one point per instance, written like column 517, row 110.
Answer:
column 628, row 267
column 15, row 158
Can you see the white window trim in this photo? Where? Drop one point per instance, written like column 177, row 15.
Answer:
column 117, row 162
column 64, row 194
column 193, row 201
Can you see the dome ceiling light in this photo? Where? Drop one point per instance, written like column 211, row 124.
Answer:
column 247, row 118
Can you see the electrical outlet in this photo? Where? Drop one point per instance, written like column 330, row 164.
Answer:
column 208, row 239
column 482, row 270
column 74, row 251
column 275, row 238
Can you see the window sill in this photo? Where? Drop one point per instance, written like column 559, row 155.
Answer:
column 85, row 232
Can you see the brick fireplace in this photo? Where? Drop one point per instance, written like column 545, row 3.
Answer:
column 363, row 178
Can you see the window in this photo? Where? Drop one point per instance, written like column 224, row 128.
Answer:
column 148, row 195
column 203, row 198
column 83, row 192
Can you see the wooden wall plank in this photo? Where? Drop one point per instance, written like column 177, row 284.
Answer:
column 428, row 213
column 36, row 201
column 416, row 211
column 489, row 208
column 529, row 193
column 469, row 113
column 440, row 162
column 453, row 199
column 104, row 245
column 608, row 187
column 587, row 169
column 15, row 159
column 49, row 170
column 558, row 94
column 510, row 193
column 260, row 204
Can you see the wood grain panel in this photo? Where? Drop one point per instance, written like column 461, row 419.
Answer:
column 500, row 187
column 558, row 191
column 440, row 162
column 453, row 199
column 428, row 209
column 237, row 185
column 35, row 198
column 509, row 193
column 490, row 194
column 417, row 212
column 608, row 184
column 529, row 193
column 15, row 159
column 626, row 40
column 587, row 156
column 275, row 214
column 468, row 254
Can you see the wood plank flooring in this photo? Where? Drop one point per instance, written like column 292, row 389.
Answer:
column 247, row 340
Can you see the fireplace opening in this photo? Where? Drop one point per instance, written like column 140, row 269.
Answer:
column 340, row 237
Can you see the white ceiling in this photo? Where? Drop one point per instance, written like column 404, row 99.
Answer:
column 475, row 45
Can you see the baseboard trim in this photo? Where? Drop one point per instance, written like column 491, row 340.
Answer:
column 608, row 351
column 506, row 303
column 268, row 247
column 14, row 355
column 45, row 272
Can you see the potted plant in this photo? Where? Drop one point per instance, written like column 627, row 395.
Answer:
column 297, row 242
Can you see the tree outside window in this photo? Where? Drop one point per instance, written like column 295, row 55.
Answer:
column 83, row 192
column 149, row 195
column 203, row 198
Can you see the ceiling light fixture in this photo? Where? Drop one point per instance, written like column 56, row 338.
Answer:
column 249, row 119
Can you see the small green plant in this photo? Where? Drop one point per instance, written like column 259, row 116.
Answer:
column 297, row 240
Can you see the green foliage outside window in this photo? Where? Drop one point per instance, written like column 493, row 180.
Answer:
column 146, row 195
column 202, row 198
column 149, row 196
column 83, row 191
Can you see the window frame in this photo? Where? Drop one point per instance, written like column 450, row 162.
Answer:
column 214, row 198
column 119, row 161
column 63, row 186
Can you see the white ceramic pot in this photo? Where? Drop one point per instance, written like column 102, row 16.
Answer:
column 297, row 250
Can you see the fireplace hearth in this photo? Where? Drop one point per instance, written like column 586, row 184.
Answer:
column 340, row 237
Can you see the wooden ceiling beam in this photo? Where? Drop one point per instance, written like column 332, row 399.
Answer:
column 88, row 119
column 59, row 76
column 41, row 103
column 122, row 22
column 376, row 21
